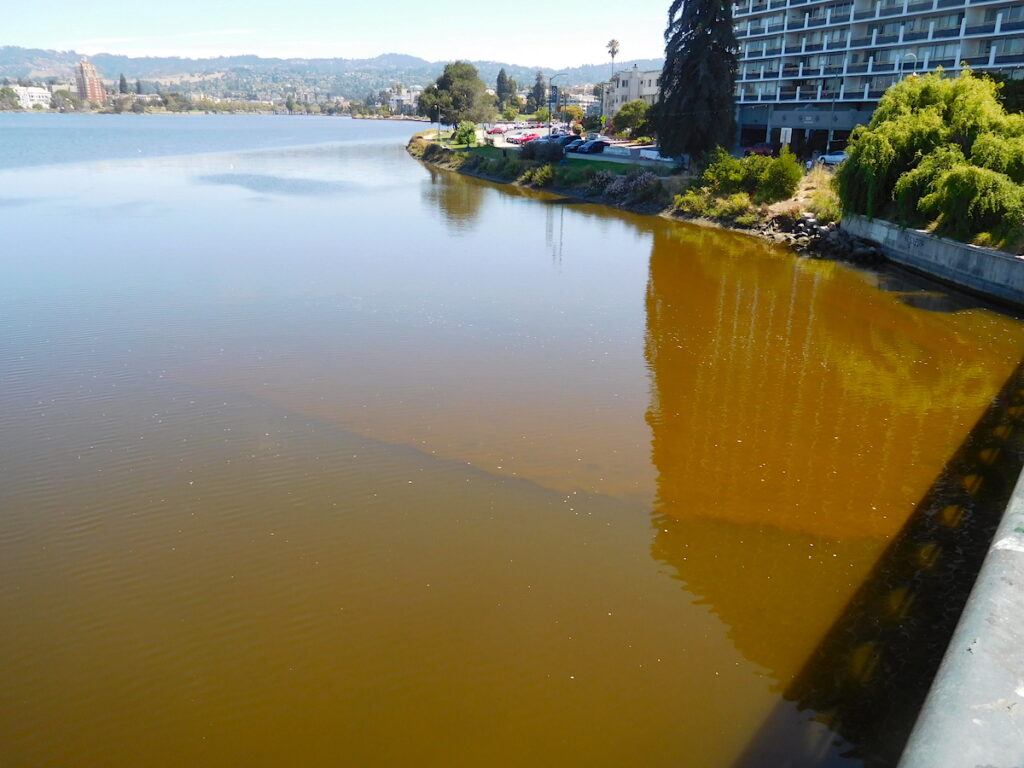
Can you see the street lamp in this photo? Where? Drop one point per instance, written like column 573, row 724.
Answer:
column 903, row 60
column 550, row 81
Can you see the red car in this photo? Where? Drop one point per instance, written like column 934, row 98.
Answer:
column 497, row 129
column 528, row 137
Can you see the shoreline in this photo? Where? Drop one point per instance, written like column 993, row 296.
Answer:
column 802, row 236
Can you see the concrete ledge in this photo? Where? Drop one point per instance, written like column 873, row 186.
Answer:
column 974, row 714
column 981, row 270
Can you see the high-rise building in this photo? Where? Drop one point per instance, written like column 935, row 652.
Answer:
column 819, row 67
column 90, row 84
column 630, row 85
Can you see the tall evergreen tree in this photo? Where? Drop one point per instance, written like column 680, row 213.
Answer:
column 501, row 88
column 122, row 86
column 539, row 94
column 138, row 86
column 696, row 97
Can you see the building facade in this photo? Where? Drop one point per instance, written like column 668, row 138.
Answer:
column 31, row 96
column 90, row 84
column 820, row 66
column 630, row 85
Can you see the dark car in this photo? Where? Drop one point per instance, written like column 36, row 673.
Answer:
column 574, row 145
column 595, row 147
column 762, row 148
column 564, row 139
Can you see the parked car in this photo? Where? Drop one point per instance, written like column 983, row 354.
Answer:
column 594, row 147
column 833, row 158
column 497, row 129
column 574, row 145
column 563, row 139
column 762, row 148
column 523, row 138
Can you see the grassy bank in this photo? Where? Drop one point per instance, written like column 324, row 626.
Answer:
column 763, row 196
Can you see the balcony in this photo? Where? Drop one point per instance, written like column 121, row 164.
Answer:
column 981, row 29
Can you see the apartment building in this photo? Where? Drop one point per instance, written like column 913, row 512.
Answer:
column 90, row 84
column 820, row 66
column 30, row 96
column 630, row 85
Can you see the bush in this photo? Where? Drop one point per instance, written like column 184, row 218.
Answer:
column 747, row 219
column 695, row 201
column 736, row 204
column 545, row 151
column 765, row 179
column 541, row 176
column 465, row 134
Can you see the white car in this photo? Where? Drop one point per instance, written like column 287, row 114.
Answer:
column 833, row 158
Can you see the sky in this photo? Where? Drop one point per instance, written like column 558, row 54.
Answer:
column 558, row 33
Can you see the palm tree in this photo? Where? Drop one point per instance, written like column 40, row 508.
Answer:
column 613, row 51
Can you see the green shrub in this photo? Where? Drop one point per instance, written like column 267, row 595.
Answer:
column 696, row 201
column 780, row 178
column 747, row 219
column 736, row 204
column 465, row 134
column 543, row 176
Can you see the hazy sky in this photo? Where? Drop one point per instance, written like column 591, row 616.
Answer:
column 550, row 33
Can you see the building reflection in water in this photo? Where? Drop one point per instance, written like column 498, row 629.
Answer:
column 798, row 420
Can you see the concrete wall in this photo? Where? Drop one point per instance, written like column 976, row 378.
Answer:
column 974, row 713
column 981, row 270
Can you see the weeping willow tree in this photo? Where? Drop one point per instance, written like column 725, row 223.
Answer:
column 694, row 112
column 940, row 152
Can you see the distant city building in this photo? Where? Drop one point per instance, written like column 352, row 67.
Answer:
column 630, row 85
column 90, row 84
column 31, row 95
column 403, row 101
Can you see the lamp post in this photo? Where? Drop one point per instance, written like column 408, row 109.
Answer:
column 550, row 81
column 903, row 59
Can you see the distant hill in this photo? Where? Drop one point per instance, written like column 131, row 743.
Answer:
column 350, row 78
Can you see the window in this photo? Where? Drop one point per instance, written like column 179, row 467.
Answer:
column 1013, row 13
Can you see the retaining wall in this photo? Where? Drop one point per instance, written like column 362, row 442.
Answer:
column 982, row 270
column 974, row 714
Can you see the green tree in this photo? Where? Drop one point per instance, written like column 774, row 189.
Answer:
column 290, row 103
column 631, row 117
column 503, row 88
column 940, row 152
column 9, row 99
column 459, row 94
column 573, row 113
column 694, row 111
column 65, row 101
column 465, row 134
column 538, row 94
column 510, row 113
column 138, row 86
column 543, row 114
column 122, row 85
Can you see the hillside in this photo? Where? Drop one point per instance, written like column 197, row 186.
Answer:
column 349, row 78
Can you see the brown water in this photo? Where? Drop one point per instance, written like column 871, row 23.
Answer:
column 314, row 456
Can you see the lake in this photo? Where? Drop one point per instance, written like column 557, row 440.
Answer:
column 313, row 455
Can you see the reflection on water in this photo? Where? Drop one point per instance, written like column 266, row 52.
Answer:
column 317, row 482
column 275, row 185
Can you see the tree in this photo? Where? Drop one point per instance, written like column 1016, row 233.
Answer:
column 573, row 112
column 459, row 94
column 122, row 85
column 502, row 88
column 694, row 111
column 138, row 86
column 543, row 114
column 65, row 101
column 613, row 51
column 631, row 117
column 538, row 94
column 9, row 99
column 510, row 113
